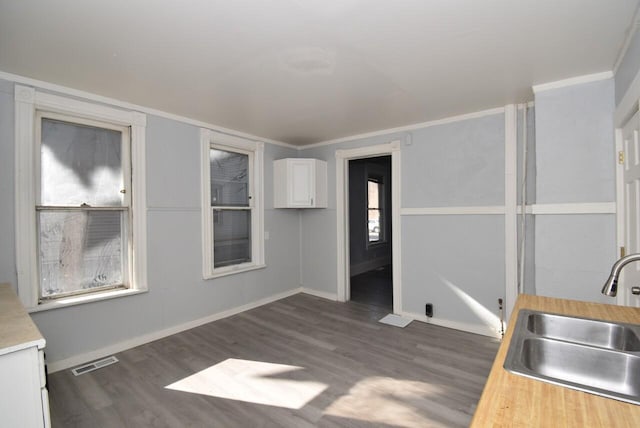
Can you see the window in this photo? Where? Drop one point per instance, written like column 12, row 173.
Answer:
column 82, row 205
column 83, row 238
column 375, row 212
column 232, row 213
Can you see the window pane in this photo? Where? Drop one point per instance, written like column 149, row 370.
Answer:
column 229, row 178
column 373, row 188
column 374, row 225
column 374, row 218
column 79, row 250
column 80, row 165
column 231, row 237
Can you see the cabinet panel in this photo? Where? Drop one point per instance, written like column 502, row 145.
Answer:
column 302, row 192
column 23, row 396
column 21, row 403
column 300, row 183
column 45, row 408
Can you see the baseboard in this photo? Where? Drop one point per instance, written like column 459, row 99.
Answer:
column 483, row 330
column 368, row 265
column 150, row 337
column 322, row 294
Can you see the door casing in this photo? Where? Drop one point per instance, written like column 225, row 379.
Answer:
column 342, row 209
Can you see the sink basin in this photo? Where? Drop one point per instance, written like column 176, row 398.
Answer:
column 597, row 357
column 583, row 365
column 580, row 330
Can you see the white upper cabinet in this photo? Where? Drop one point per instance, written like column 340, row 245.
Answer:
column 300, row 183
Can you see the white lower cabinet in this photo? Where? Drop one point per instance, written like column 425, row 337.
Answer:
column 24, row 400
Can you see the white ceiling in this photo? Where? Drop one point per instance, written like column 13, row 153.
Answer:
column 304, row 71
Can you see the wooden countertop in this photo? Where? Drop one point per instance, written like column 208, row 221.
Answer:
column 510, row 400
column 17, row 330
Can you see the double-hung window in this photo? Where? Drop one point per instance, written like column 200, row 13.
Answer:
column 232, row 213
column 75, row 218
column 375, row 210
column 82, row 205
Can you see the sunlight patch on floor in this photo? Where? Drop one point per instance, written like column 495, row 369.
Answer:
column 395, row 402
column 252, row 382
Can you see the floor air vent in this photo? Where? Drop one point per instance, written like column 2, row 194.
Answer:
column 94, row 365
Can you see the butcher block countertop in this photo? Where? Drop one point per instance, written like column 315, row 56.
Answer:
column 510, row 400
column 17, row 330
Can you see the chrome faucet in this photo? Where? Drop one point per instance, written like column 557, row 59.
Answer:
column 611, row 286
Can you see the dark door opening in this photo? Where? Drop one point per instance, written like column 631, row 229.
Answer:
column 370, row 234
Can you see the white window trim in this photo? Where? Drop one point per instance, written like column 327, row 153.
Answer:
column 208, row 139
column 27, row 101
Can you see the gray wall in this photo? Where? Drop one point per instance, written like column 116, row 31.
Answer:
column 575, row 163
column 529, row 285
column 574, row 144
column 455, row 262
column 177, row 293
column 7, row 172
column 456, row 164
column 318, row 270
column 629, row 68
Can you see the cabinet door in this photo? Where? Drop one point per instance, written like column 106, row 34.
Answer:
column 301, row 183
column 21, row 403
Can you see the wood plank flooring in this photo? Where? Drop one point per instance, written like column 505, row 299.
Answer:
column 374, row 287
column 347, row 370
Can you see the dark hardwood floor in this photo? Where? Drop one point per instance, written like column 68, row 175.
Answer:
column 298, row 362
column 374, row 288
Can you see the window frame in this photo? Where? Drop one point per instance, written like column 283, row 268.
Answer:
column 255, row 149
column 125, row 162
column 30, row 106
column 380, row 210
column 373, row 174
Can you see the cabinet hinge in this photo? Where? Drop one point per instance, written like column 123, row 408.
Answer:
column 621, row 157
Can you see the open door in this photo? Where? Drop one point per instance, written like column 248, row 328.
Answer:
column 630, row 276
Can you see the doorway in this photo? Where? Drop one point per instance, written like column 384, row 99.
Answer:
column 390, row 150
column 370, row 232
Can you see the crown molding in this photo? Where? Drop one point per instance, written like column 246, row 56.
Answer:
column 577, row 80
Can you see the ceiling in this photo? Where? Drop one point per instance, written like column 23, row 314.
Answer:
column 306, row 71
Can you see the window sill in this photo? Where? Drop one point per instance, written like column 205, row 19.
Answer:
column 87, row 298
column 376, row 244
column 234, row 270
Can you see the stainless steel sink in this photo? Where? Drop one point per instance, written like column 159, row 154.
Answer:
column 594, row 356
column 580, row 330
